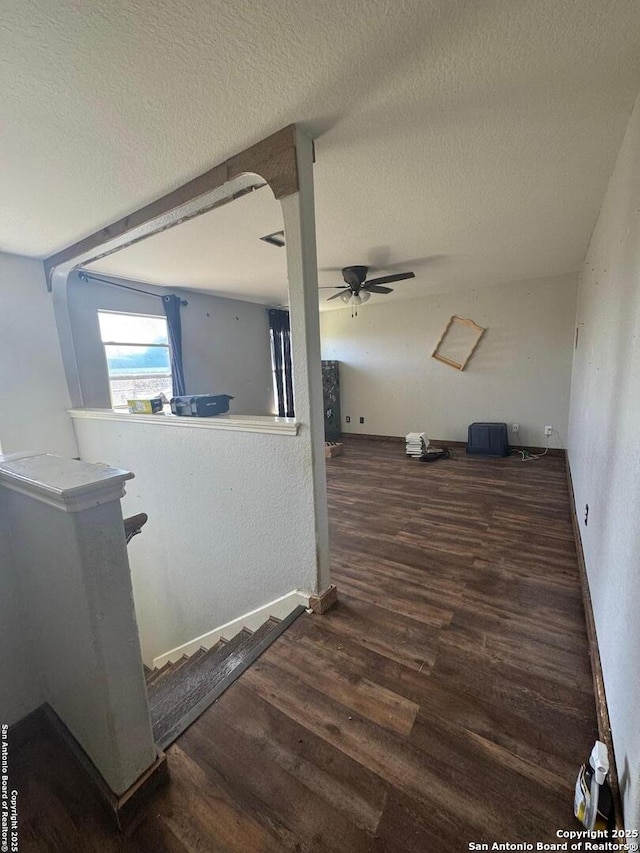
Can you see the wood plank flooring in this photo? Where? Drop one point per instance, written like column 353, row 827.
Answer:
column 446, row 699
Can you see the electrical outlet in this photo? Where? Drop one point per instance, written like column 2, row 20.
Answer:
column 361, row 420
column 548, row 430
column 586, row 514
column 515, row 427
column 348, row 419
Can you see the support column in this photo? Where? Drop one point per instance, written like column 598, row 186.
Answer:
column 302, row 268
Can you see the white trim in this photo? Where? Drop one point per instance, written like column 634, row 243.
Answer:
column 236, row 423
column 280, row 608
column 66, row 484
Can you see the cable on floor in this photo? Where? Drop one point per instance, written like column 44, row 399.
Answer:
column 527, row 456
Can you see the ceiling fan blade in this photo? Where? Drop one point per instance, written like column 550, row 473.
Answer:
column 333, row 287
column 384, row 279
column 336, row 295
column 376, row 288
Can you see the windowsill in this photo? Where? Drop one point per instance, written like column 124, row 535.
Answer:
column 236, row 423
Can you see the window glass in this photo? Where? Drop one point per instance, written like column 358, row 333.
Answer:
column 128, row 358
column 137, row 354
column 132, row 328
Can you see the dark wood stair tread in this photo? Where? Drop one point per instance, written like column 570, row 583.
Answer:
column 153, row 676
column 178, row 698
column 175, row 695
column 157, row 673
column 163, row 692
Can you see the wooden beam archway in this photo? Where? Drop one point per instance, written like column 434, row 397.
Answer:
column 273, row 159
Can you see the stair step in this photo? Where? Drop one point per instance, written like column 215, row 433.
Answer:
column 177, row 665
column 180, row 697
column 238, row 638
column 157, row 672
column 163, row 693
column 164, row 686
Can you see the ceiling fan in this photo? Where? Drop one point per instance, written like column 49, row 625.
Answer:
column 357, row 289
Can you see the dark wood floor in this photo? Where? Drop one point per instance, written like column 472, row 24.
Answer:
column 446, row 699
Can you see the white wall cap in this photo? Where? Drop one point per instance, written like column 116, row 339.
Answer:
column 68, row 484
column 237, row 423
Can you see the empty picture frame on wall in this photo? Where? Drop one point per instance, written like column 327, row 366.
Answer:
column 458, row 342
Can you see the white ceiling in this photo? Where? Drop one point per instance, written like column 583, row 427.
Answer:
column 477, row 135
column 220, row 252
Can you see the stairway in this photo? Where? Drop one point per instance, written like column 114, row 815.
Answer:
column 181, row 691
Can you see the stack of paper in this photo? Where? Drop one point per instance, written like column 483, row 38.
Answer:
column 417, row 443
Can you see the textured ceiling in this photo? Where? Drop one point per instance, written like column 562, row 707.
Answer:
column 220, row 252
column 477, row 135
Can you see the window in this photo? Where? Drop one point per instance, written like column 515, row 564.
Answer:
column 280, row 333
column 136, row 348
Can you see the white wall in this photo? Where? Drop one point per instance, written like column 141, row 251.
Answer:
column 521, row 371
column 33, row 414
column 230, row 522
column 225, row 343
column 21, row 690
column 604, row 450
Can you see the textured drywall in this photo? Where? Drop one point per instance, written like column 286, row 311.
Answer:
column 225, row 343
column 520, row 372
column 33, row 414
column 604, row 450
column 230, row 522
column 298, row 210
column 21, row 689
column 481, row 132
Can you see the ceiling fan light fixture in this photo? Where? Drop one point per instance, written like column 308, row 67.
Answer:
column 359, row 289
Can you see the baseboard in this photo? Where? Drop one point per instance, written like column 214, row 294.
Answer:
column 536, row 451
column 124, row 809
column 443, row 442
column 392, row 438
column 602, row 710
column 559, row 452
column 279, row 607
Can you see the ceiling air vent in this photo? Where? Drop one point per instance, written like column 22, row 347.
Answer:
column 275, row 239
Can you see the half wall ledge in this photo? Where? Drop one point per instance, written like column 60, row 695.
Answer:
column 66, row 484
column 235, row 423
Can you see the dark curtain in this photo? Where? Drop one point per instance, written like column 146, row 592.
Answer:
column 174, row 324
column 280, row 333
